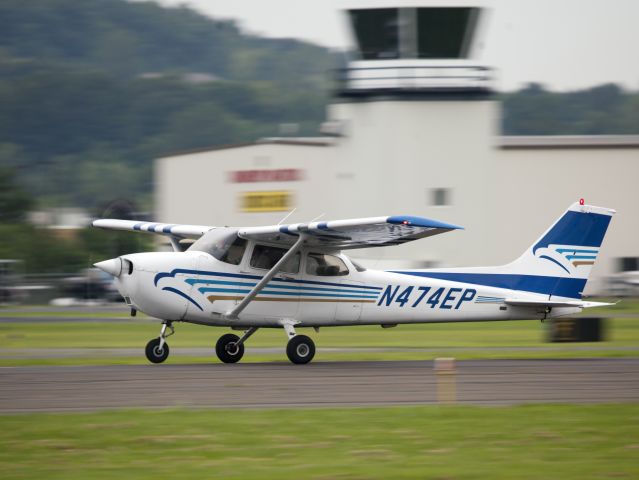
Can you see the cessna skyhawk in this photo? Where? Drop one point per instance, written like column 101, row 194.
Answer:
column 296, row 275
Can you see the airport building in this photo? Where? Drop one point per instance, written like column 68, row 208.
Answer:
column 413, row 129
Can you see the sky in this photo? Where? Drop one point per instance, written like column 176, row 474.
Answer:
column 564, row 44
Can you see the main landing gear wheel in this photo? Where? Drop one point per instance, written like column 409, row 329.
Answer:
column 228, row 350
column 300, row 349
column 155, row 353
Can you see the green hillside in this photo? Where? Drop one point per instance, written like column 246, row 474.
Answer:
column 132, row 38
column 92, row 91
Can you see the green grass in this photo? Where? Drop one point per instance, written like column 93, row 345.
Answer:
column 115, row 334
column 18, row 313
column 621, row 306
column 426, row 442
column 475, row 339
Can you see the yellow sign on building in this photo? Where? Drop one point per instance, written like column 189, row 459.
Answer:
column 277, row 201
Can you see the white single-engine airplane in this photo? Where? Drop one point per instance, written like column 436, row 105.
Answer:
column 288, row 276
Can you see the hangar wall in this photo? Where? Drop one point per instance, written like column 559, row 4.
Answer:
column 504, row 196
column 200, row 187
column 413, row 130
column 536, row 182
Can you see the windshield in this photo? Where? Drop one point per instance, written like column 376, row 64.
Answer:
column 223, row 244
column 357, row 266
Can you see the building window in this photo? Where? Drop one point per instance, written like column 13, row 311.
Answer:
column 440, row 197
column 628, row 264
column 445, row 32
column 376, row 31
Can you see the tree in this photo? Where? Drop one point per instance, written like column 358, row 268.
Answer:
column 15, row 202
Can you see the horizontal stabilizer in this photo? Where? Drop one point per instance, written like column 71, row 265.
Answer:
column 550, row 303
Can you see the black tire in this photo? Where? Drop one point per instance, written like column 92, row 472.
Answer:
column 227, row 351
column 153, row 352
column 300, row 349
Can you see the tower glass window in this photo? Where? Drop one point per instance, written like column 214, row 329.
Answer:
column 377, row 32
column 445, row 32
column 429, row 33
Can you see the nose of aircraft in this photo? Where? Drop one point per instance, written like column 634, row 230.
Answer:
column 112, row 266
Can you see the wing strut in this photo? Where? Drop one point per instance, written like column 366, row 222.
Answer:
column 175, row 243
column 233, row 314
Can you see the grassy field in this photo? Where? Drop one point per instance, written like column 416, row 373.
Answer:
column 516, row 339
column 525, row 442
column 422, row 442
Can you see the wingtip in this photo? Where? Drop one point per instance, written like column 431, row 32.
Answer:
column 421, row 222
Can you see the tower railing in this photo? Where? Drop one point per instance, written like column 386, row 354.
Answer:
column 372, row 80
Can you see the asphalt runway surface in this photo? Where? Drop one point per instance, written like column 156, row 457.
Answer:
column 186, row 352
column 259, row 385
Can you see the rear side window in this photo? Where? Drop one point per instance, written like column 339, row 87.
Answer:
column 265, row 258
column 324, row 265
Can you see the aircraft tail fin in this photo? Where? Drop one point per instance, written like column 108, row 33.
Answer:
column 557, row 265
column 567, row 250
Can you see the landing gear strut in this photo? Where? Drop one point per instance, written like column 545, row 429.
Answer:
column 157, row 350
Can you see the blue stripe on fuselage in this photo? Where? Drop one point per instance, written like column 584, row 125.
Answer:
column 196, row 281
column 185, row 271
column 266, row 291
column 183, row 295
column 559, row 286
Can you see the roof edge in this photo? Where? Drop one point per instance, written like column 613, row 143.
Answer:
column 567, row 141
column 291, row 141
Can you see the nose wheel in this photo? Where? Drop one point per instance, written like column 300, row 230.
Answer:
column 157, row 350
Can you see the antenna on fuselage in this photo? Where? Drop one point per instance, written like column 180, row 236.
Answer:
column 287, row 215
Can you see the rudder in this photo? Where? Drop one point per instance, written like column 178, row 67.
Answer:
column 570, row 247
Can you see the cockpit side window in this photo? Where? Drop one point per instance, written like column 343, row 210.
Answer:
column 224, row 245
column 324, row 265
column 265, row 257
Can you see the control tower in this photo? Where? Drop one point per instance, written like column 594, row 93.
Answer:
column 414, row 47
column 415, row 116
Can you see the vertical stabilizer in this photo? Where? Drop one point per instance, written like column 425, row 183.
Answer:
column 568, row 249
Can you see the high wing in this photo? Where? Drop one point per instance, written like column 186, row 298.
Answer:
column 174, row 230
column 353, row 233
column 337, row 234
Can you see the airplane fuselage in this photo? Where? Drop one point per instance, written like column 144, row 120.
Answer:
column 195, row 287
